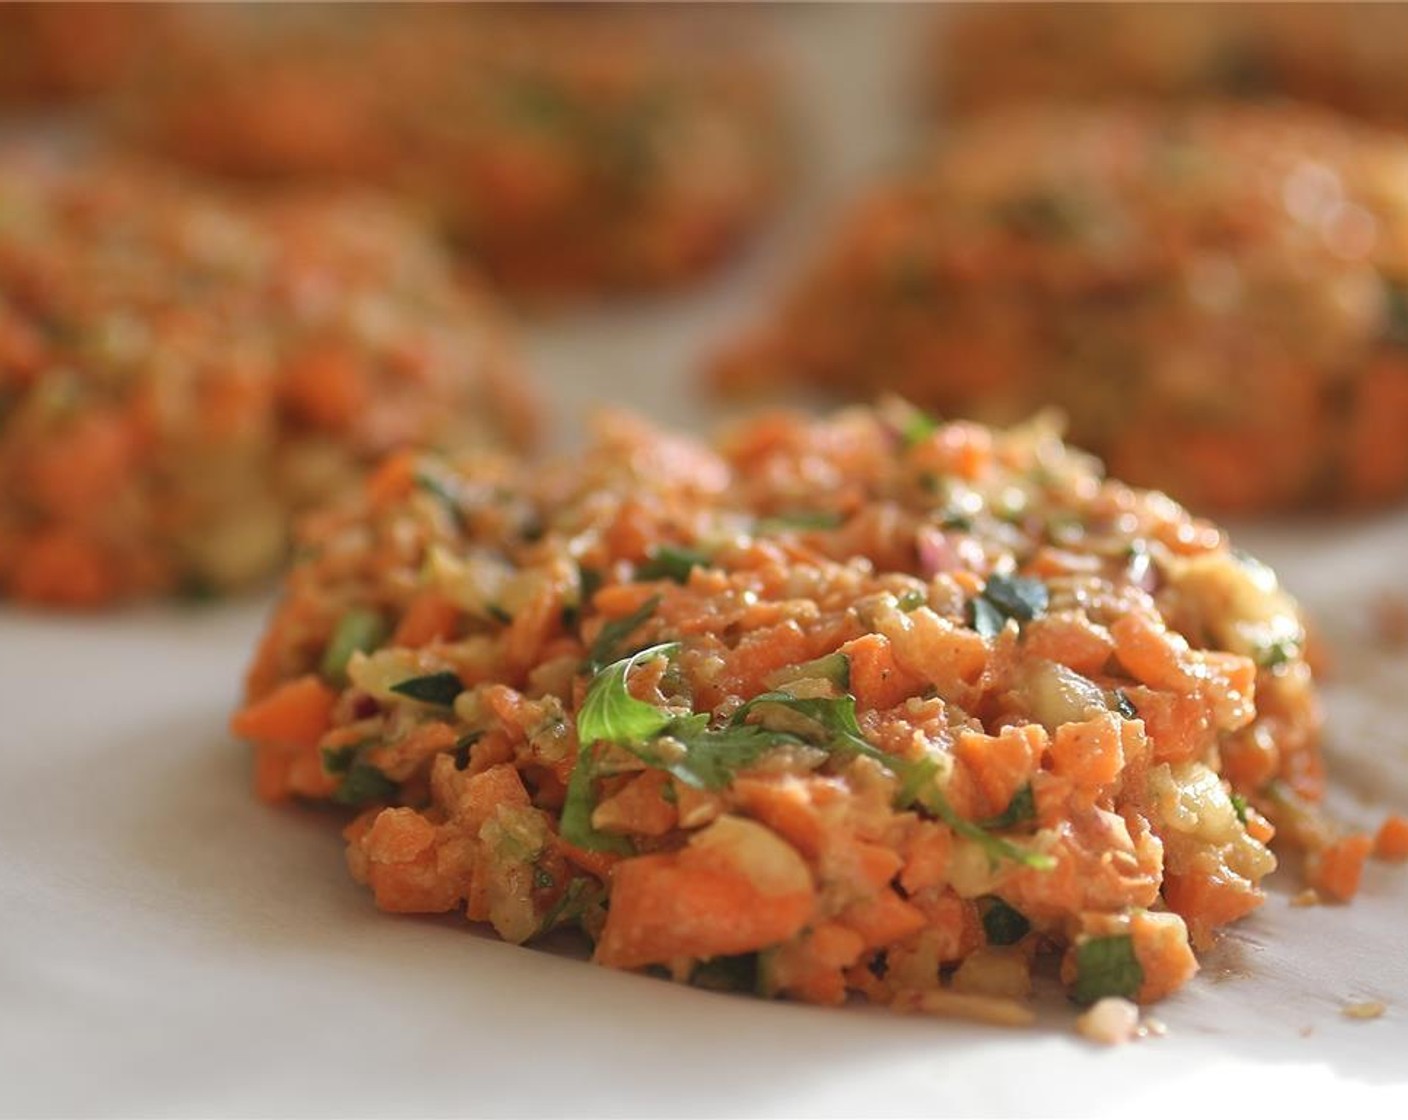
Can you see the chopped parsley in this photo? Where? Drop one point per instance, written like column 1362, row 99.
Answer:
column 1002, row 924
column 1274, row 654
column 610, row 712
column 434, row 688
column 1004, row 598
column 706, row 757
column 357, row 631
column 670, row 562
column 834, row 667
column 576, row 900
column 607, row 647
column 1020, row 810
column 1239, row 806
column 362, row 783
column 837, row 717
column 1106, row 966
column 912, row 424
column 441, row 491
column 684, row 746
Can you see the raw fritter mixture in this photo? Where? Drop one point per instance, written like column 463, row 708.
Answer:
column 181, row 372
column 1347, row 56
column 865, row 705
column 1217, row 297
column 571, row 150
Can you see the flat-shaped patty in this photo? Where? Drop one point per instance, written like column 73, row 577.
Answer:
column 863, row 705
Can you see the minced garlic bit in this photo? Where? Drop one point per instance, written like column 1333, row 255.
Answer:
column 1112, row 1021
column 1364, row 1009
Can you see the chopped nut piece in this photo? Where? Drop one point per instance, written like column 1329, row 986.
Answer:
column 1112, row 1021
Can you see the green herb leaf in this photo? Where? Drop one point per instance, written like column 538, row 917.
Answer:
column 1239, row 806
column 576, row 827
column 834, row 667
column 434, row 688
column 439, row 489
column 498, row 614
column 1020, row 810
column 684, row 746
column 338, row 760
column 913, row 424
column 589, row 580
column 1002, row 924
column 357, row 631
column 579, row 897
column 711, row 757
column 837, row 718
column 606, row 648
column 362, row 783
column 610, row 712
column 670, row 562
column 1003, row 598
column 1106, row 966
column 1272, row 655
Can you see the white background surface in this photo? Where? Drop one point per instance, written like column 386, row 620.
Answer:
column 168, row 946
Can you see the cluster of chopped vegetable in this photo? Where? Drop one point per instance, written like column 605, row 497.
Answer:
column 1350, row 57
column 181, row 372
column 568, row 150
column 868, row 705
column 1215, row 295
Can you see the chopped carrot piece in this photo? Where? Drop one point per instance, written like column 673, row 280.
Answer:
column 297, row 714
column 64, row 568
column 393, row 479
column 327, row 387
column 430, row 617
column 885, row 919
column 1090, row 753
column 1207, row 902
column 1336, row 870
column 1391, row 841
column 663, row 908
column 1001, row 764
column 877, row 680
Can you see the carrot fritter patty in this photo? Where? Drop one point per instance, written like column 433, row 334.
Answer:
column 859, row 705
column 181, row 372
column 571, row 150
column 1347, row 56
column 1218, row 297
